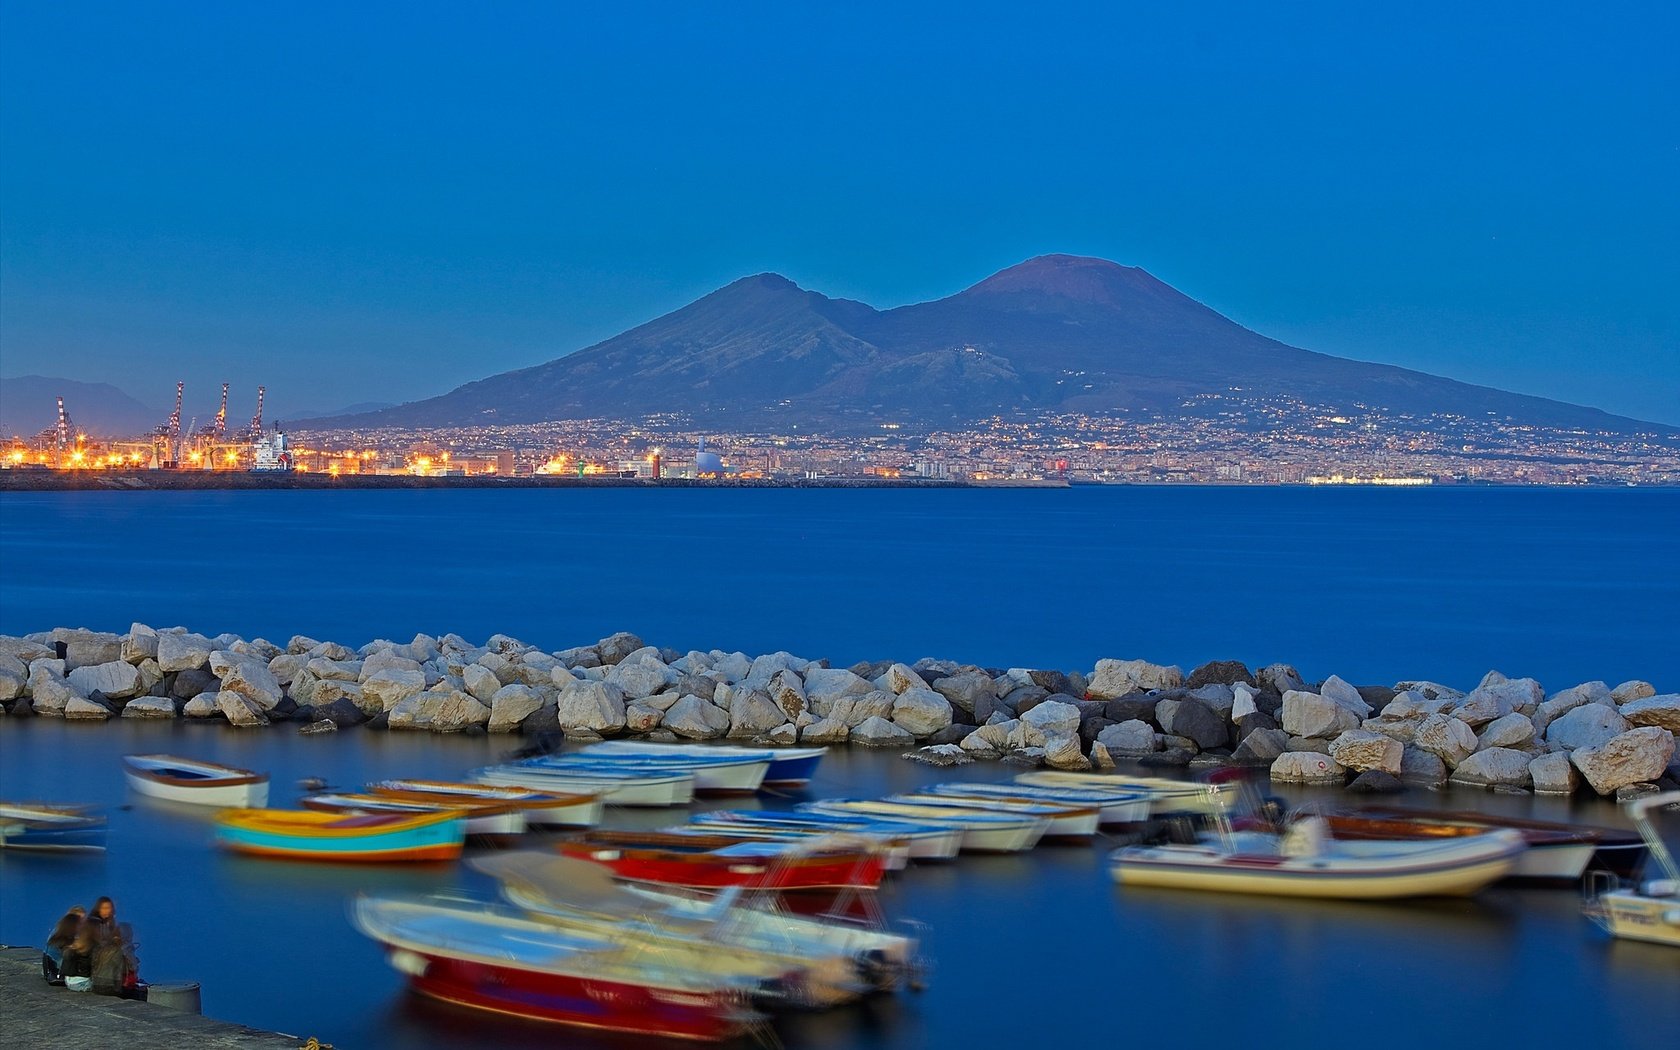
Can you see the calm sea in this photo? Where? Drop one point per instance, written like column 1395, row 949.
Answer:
column 1034, row 950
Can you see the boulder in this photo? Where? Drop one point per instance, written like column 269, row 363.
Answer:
column 386, row 660
column 899, row 678
column 826, row 731
column 753, row 713
column 787, row 693
column 697, row 719
column 1494, row 767
column 639, row 676
column 1339, row 692
column 1486, row 703
column 922, row 712
column 341, row 711
column 878, row 732
column 1197, row 721
column 201, row 706
column 939, row 755
column 510, row 706
column 1279, row 679
column 966, row 690
column 150, row 707
column 181, row 651
column 188, row 684
column 240, row 710
column 1126, row 708
column 48, row 691
column 1261, row 747
column 1129, row 738
column 784, row 735
column 1633, row 757
column 1446, row 738
column 1553, row 774
column 1627, row 692
column 142, row 644
column 1652, row 710
column 1588, row 725
column 480, row 682
column 390, row 686
column 615, row 647
column 1222, row 672
column 1100, row 757
column 117, row 680
column 1113, row 679
column 1375, row 782
column 83, row 647
column 825, row 686
column 1512, row 730
column 440, row 711
column 1307, row 767
column 1422, row 767
column 1555, row 708
column 1053, row 716
column 641, row 718
column 1412, row 704
column 1362, row 750
column 594, row 706
column 1315, row 714
column 1062, row 751
column 855, row 710
column 318, row 727
column 248, row 675
column 1242, row 702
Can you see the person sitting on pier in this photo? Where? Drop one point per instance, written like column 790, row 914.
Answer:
column 102, row 955
column 58, row 942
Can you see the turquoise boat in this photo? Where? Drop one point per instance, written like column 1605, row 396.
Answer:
column 357, row 838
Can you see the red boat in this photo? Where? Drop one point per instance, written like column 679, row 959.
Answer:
column 719, row 861
column 511, row 964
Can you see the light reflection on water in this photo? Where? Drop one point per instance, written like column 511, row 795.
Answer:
column 1034, row 949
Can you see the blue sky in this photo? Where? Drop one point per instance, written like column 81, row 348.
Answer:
column 355, row 202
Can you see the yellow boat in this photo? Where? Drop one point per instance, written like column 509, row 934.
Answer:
column 362, row 837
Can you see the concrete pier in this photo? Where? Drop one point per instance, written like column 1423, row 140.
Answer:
column 37, row 1016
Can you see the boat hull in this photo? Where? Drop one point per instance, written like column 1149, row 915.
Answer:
column 541, row 809
column 482, row 821
column 411, row 841
column 47, row 828
column 1634, row 917
column 199, row 784
column 773, row 872
column 652, row 791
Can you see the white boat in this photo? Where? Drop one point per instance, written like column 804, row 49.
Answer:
column 1307, row 862
column 40, row 826
column 982, row 832
column 790, row 767
column 1118, row 807
column 200, row 783
column 896, row 851
column 487, row 818
column 541, row 808
column 1067, row 821
column 623, row 787
column 925, row 841
column 1648, row 910
column 723, row 775
column 1165, row 796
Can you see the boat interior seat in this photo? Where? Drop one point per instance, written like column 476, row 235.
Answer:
column 1306, row 837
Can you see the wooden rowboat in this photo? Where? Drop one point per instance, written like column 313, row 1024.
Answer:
column 369, row 837
column 1555, row 851
column 37, row 826
column 200, row 783
column 546, row 808
column 717, row 861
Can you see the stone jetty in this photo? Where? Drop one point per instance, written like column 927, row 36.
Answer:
column 1505, row 734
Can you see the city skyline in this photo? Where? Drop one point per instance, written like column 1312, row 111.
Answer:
column 402, row 213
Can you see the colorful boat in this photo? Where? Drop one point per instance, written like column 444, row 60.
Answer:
column 511, row 964
column 1306, row 862
column 541, row 808
column 1648, row 910
column 982, row 832
column 198, row 783
column 616, row 787
column 924, row 841
column 790, row 767
column 1559, row 852
column 364, row 838
column 38, row 826
column 497, row 819
column 895, row 851
column 1117, row 806
column 1068, row 821
column 1165, row 796
column 713, row 775
column 714, row 862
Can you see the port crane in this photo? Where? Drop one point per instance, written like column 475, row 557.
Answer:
column 170, row 431
column 256, row 420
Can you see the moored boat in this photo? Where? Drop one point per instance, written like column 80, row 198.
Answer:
column 896, row 852
column 790, row 767
column 1648, row 909
column 1555, row 851
column 616, row 787
column 982, row 832
column 517, row 965
column 544, row 808
column 1306, row 862
column 1117, row 806
column 1067, row 820
column 483, row 818
column 360, row 838
column 200, row 783
column 924, row 841
column 39, row 826
column 1165, row 796
column 713, row 775
column 713, row 862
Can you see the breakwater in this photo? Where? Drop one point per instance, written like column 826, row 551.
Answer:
column 1503, row 733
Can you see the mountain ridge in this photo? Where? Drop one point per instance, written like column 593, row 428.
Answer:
column 1052, row 333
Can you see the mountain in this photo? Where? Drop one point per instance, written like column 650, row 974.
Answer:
column 1055, row 333
column 29, row 405
column 359, row 408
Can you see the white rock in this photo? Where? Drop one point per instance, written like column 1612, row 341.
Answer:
column 1555, row 708
column 1113, row 679
column 784, row 735
column 696, row 719
column 1589, row 725
column 921, row 711
column 441, row 712
column 239, row 709
column 825, row 685
column 1553, row 774
column 117, row 680
column 1280, row 678
column 390, row 686
column 878, row 732
column 1316, row 715
column 149, row 707
column 201, row 706
column 1633, row 757
column 510, row 705
column 1100, row 758
column 83, row 647
column 643, row 676
column 1632, row 690
column 247, row 675
column 1514, row 730
column 1342, row 694
column 787, row 693
column 1307, row 767
column 480, row 681
column 826, row 731
column 900, row 677
column 1362, row 750
column 1242, row 701
column 1410, row 703
column 640, row 718
column 1446, row 738
column 1062, row 751
column 1130, row 738
column 180, row 651
column 142, row 644
column 965, row 689
column 1494, row 767
column 1053, row 716
column 751, row 713
column 1662, row 711
column 48, row 691
column 594, row 706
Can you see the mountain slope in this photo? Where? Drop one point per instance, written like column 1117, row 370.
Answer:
column 1055, row 333
column 29, row 405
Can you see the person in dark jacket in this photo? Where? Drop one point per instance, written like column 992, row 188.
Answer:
column 58, row 942
column 100, row 951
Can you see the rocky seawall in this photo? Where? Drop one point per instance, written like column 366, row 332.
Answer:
column 1505, row 734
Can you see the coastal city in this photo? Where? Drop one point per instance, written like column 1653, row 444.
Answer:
column 1213, row 439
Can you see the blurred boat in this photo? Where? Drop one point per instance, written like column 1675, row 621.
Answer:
column 829, row 863
column 896, row 852
column 868, row 956
column 38, row 826
column 541, row 808
column 1067, row 820
column 982, row 832
column 790, row 767
column 522, row 966
column 1165, row 796
column 616, row 787
column 1306, row 862
column 924, row 841
column 498, row 819
column 200, row 783
column 1555, row 851
column 370, row 837
column 1647, row 910
column 1117, row 806
column 713, row 775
